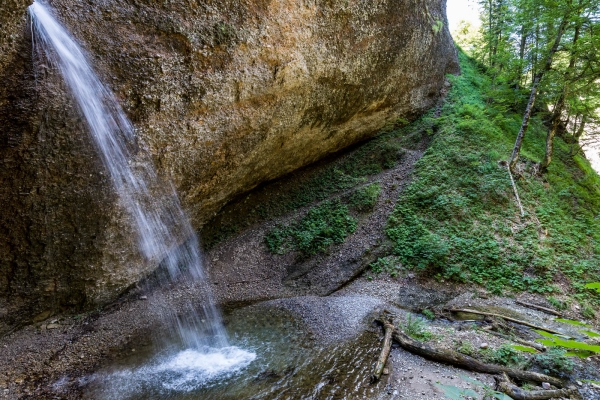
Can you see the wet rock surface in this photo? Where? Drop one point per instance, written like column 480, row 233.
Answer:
column 224, row 95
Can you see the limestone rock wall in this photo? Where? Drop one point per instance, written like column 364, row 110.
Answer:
column 224, row 94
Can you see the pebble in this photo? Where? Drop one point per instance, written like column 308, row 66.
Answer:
column 52, row 326
column 143, row 297
column 545, row 386
column 484, row 346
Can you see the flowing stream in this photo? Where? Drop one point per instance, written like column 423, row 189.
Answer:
column 155, row 212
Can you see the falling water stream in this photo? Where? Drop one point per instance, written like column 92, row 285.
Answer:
column 154, row 210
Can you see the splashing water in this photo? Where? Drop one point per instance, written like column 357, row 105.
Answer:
column 156, row 214
column 177, row 374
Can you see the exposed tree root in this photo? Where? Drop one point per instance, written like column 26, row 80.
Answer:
column 540, row 308
column 457, row 359
column 516, row 321
column 385, row 351
column 505, row 386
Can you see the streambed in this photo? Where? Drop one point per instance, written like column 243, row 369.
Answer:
column 272, row 355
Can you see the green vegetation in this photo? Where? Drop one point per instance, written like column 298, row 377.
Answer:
column 556, row 303
column 458, row 219
column 588, row 312
column 428, row 314
column 466, row 348
column 388, row 265
column 541, row 52
column 342, row 174
column 365, row 198
column 416, row 328
column 322, row 226
column 503, row 355
column 553, row 361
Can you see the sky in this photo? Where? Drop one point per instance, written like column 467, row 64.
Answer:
column 459, row 10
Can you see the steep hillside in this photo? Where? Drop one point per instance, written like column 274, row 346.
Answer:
column 459, row 219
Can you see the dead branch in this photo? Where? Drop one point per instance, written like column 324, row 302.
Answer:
column 505, row 386
column 512, row 181
column 516, row 321
column 461, row 360
column 388, row 326
column 540, row 308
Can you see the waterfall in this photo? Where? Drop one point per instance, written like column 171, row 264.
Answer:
column 155, row 212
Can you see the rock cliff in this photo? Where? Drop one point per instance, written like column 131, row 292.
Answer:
column 224, row 95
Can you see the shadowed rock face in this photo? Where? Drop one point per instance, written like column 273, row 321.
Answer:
column 224, row 94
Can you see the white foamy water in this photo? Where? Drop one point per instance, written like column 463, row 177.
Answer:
column 185, row 371
column 160, row 224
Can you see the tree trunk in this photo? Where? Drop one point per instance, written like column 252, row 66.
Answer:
column 469, row 363
column 558, row 109
column 580, row 130
column 505, row 386
column 510, row 319
column 521, row 57
column 552, row 132
column 534, row 88
column 385, row 351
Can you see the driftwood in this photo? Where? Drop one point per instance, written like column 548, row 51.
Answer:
column 516, row 321
column 461, row 360
column 505, row 386
column 539, row 308
column 388, row 326
column 537, row 346
column 512, row 181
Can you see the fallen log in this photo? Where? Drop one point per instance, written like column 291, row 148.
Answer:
column 514, row 320
column 505, row 386
column 461, row 360
column 388, row 326
column 539, row 308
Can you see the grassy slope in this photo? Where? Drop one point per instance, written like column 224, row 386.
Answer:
column 458, row 219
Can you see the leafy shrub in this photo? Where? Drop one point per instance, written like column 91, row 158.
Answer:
column 556, row 303
column 365, row 198
column 416, row 328
column 321, row 227
column 388, row 265
column 553, row 361
column 466, row 348
column 428, row 314
column 588, row 312
column 503, row 355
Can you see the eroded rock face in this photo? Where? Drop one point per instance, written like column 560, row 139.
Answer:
column 224, row 94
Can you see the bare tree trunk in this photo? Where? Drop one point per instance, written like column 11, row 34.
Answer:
column 385, row 351
column 558, row 109
column 515, row 392
column 552, row 132
column 579, row 132
column 534, row 88
column 521, row 57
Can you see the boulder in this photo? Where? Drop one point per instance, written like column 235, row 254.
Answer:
column 224, row 95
